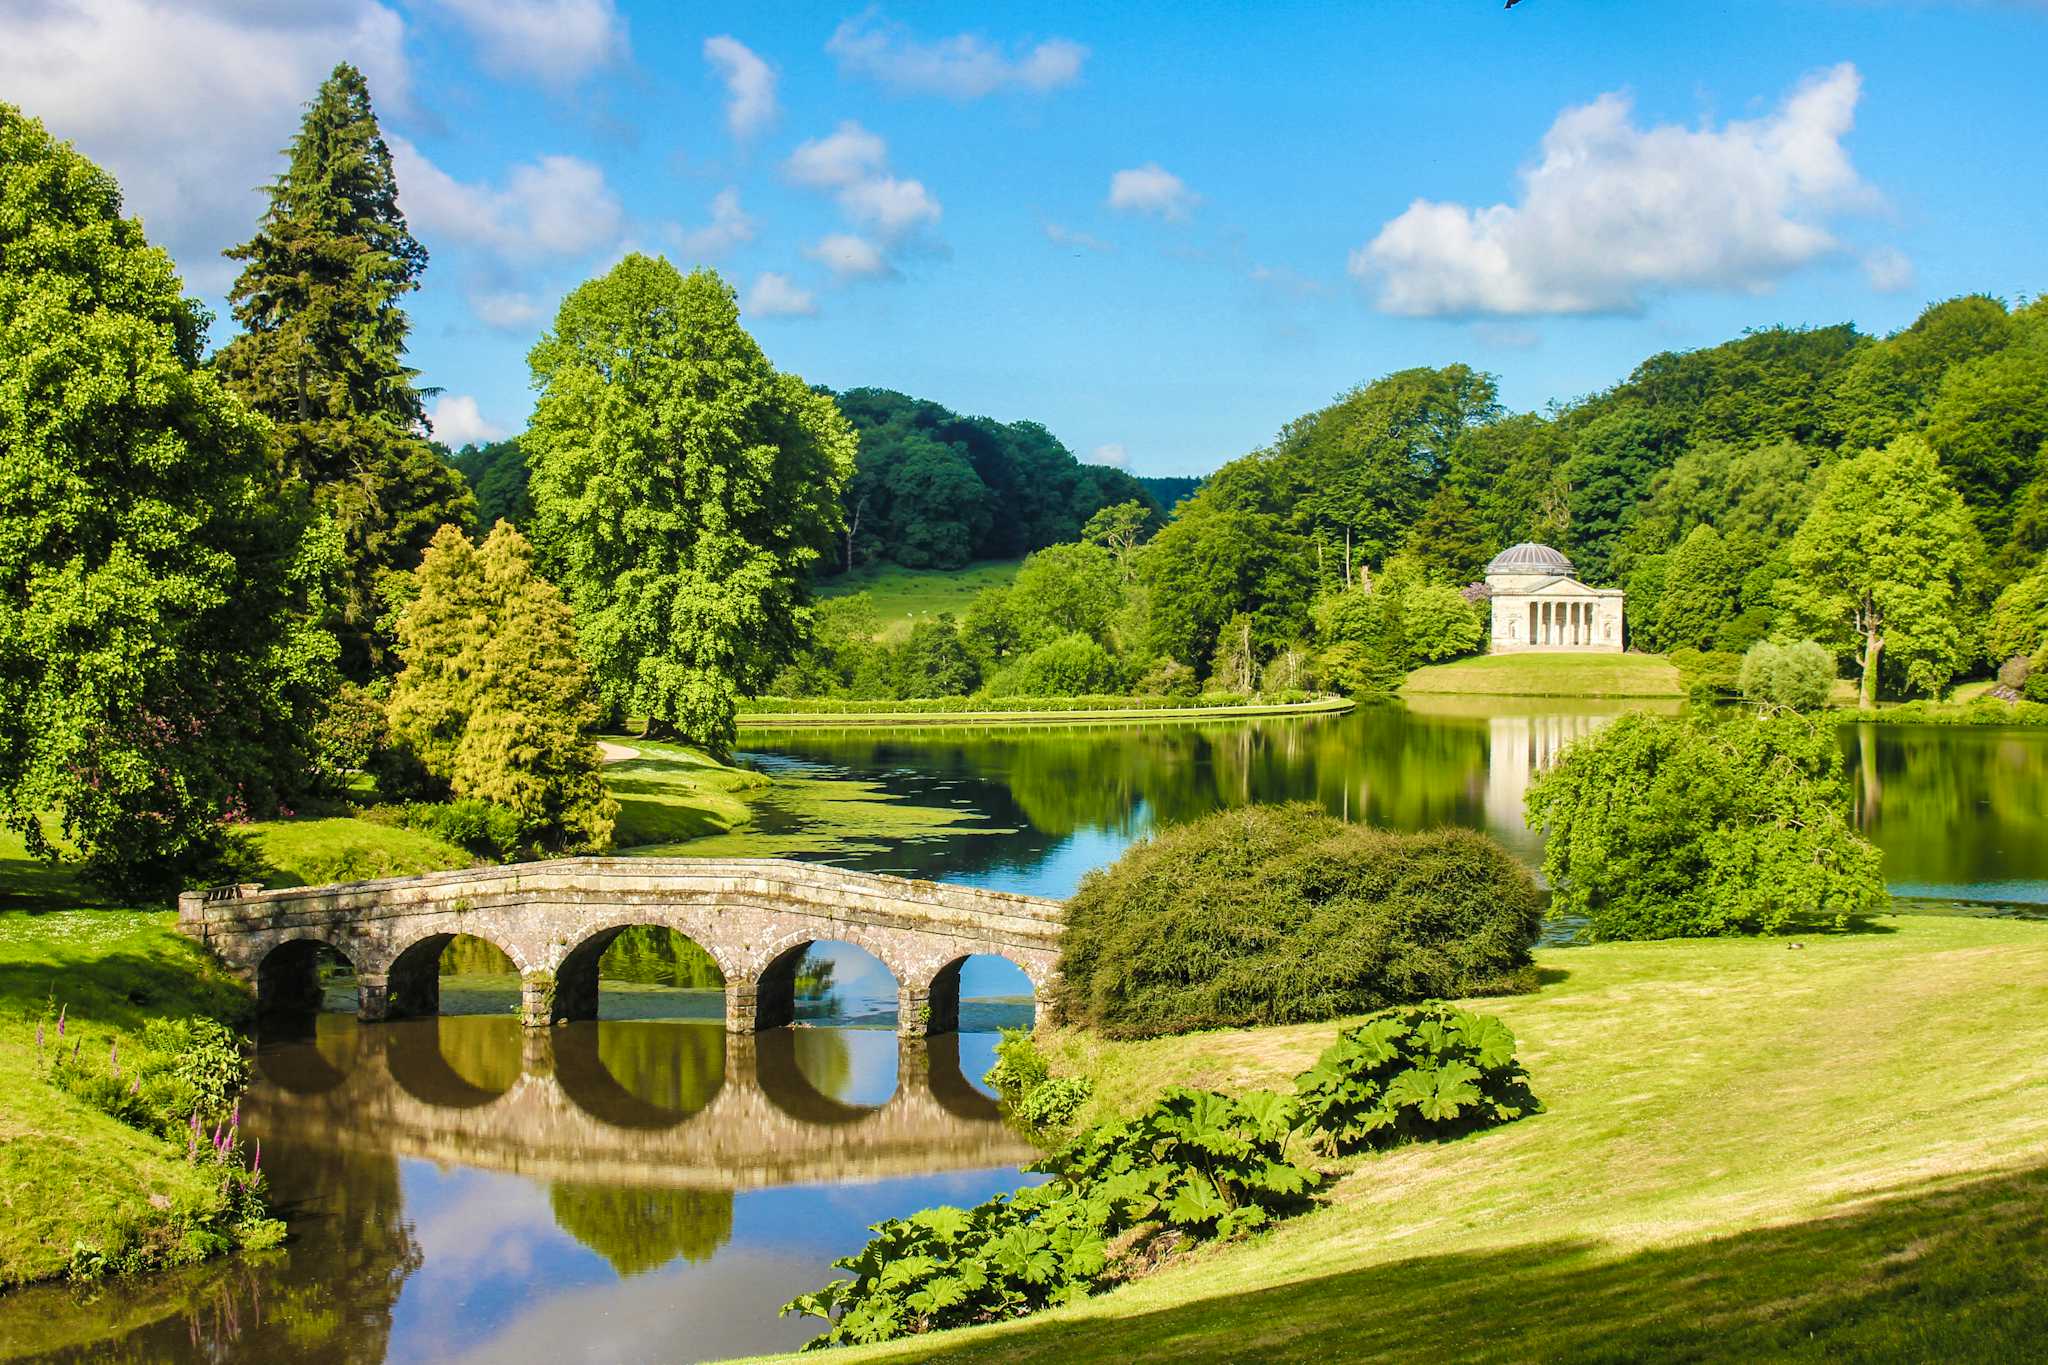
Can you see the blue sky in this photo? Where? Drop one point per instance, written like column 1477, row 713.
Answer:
column 1163, row 230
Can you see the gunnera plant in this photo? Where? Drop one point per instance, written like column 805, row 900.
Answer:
column 1284, row 915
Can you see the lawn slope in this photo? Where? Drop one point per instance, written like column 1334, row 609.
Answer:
column 1550, row 675
column 903, row 597
column 1751, row 1150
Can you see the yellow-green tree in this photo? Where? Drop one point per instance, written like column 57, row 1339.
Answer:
column 494, row 703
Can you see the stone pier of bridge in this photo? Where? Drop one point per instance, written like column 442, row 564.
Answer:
column 554, row 920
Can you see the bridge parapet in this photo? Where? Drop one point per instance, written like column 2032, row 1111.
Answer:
column 754, row 916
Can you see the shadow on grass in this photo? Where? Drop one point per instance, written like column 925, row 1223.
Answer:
column 1951, row 1271
column 121, row 989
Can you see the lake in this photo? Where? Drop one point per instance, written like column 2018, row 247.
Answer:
column 646, row 1187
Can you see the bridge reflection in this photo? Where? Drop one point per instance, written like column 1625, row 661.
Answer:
column 630, row 1102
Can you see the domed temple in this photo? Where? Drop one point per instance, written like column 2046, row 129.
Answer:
column 1538, row 603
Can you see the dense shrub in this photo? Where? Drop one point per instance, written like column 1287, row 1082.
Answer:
column 1801, row 676
column 1701, row 824
column 1440, row 623
column 481, row 827
column 180, row 1068
column 1414, row 1074
column 1070, row 666
column 1708, row 674
column 1283, row 914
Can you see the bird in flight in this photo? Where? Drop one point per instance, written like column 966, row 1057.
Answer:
column 1511, row 4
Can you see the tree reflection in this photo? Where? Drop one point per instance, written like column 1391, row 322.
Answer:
column 638, row 1230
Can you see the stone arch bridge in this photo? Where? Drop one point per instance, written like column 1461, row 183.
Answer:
column 754, row 916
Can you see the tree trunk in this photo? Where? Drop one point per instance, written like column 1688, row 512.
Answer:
column 1873, row 646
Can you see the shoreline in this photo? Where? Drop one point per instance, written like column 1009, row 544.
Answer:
column 865, row 720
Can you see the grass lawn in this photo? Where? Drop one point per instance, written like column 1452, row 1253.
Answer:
column 313, row 851
column 69, row 1174
column 671, row 792
column 903, row 597
column 1550, row 675
column 1750, row 1151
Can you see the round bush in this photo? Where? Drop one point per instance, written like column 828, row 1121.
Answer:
column 1283, row 915
column 1800, row 675
column 1071, row 666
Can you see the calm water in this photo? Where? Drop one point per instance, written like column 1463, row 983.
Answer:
column 1961, row 813
column 645, row 1187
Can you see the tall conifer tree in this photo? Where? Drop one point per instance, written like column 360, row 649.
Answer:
column 322, row 353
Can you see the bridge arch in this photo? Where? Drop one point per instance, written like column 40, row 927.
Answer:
column 412, row 983
column 774, row 976
column 288, row 973
column 781, row 1077
column 577, row 975
column 942, row 989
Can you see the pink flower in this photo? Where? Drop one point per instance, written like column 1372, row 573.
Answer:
column 60, row 1019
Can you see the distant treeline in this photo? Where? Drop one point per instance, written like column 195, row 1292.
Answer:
column 931, row 489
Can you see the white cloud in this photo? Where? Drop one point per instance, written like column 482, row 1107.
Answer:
column 187, row 105
column 507, row 310
column 1153, row 189
column 777, row 296
column 1112, row 454
column 560, row 41
column 1612, row 212
column 1889, row 270
column 749, row 85
column 962, row 67
column 847, row 156
column 457, row 422
column 729, row 227
column 849, row 257
column 1062, row 235
column 891, row 206
column 852, row 164
column 554, row 207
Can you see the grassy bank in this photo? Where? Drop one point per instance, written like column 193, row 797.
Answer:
column 1550, row 675
column 903, row 597
column 1750, row 1151
column 1022, row 711
column 71, row 1176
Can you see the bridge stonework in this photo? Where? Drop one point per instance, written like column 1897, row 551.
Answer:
column 754, row 916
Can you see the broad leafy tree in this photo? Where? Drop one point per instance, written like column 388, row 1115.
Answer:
column 322, row 353
column 683, row 489
column 155, row 668
column 1885, row 566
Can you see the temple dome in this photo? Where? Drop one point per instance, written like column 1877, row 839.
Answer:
column 1529, row 558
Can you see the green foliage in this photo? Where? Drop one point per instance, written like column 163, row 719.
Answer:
column 1216, row 561
column 1438, row 623
column 1989, row 425
column 1036, row 1098
column 1415, row 1074
column 494, row 704
column 498, row 475
column 155, row 584
column 1364, row 642
column 1800, row 676
column 2019, row 618
column 1065, row 590
column 1660, row 827
column 1195, row 1163
column 1701, row 585
column 653, row 398
column 1070, row 666
column 482, row 827
column 1282, row 914
column 350, row 734
column 322, row 353
column 932, row 488
column 1886, row 564
column 934, row 662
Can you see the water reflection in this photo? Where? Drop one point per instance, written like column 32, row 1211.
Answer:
column 462, row 1188
column 1957, row 810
